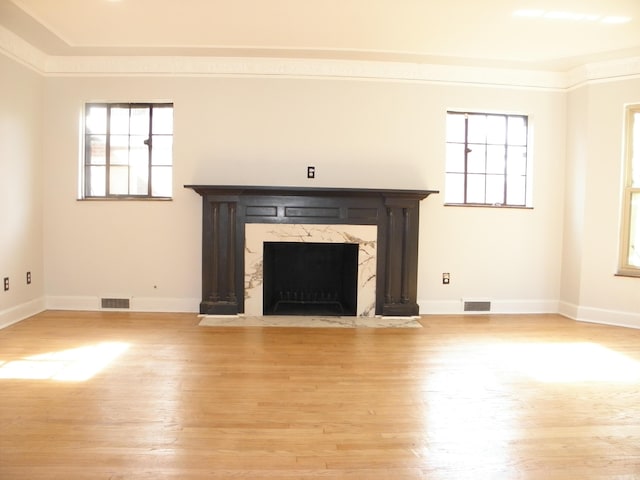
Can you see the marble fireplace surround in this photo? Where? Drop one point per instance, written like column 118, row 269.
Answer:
column 229, row 211
column 257, row 233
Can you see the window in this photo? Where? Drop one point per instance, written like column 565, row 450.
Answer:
column 128, row 150
column 486, row 162
column 630, row 251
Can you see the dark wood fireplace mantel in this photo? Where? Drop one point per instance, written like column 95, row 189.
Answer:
column 227, row 209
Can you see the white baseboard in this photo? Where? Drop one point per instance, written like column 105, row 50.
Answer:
column 72, row 303
column 456, row 307
column 569, row 310
column 524, row 306
column 609, row 317
column 137, row 304
column 427, row 307
column 155, row 304
column 20, row 312
column 600, row 315
column 439, row 307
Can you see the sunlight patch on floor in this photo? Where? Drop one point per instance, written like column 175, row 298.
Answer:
column 571, row 362
column 73, row 365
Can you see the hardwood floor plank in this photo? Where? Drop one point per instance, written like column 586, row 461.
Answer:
column 96, row 395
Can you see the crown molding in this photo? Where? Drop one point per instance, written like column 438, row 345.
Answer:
column 82, row 66
column 608, row 71
column 294, row 67
column 21, row 51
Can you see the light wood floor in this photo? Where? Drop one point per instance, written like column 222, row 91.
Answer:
column 155, row 396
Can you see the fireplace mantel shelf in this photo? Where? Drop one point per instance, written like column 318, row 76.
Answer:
column 228, row 208
column 306, row 191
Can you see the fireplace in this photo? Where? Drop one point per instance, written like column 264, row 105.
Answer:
column 362, row 237
column 384, row 224
column 310, row 278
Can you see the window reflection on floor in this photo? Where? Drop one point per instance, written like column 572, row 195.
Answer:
column 73, row 365
column 475, row 409
column 570, row 362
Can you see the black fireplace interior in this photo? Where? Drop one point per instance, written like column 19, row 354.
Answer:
column 310, row 278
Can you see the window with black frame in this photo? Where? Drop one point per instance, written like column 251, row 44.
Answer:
column 128, row 150
column 487, row 159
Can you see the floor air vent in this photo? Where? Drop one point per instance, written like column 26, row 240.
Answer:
column 122, row 303
column 477, row 306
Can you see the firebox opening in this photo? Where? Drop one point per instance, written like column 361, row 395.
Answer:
column 310, row 278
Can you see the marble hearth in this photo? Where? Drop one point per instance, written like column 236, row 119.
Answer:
column 258, row 233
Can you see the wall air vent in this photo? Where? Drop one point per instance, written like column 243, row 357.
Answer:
column 119, row 303
column 477, row 306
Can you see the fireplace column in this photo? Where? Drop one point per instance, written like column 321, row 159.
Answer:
column 219, row 254
column 400, row 254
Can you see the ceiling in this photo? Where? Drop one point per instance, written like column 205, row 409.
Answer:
column 533, row 34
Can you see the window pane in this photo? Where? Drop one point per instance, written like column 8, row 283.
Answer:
column 475, row 188
column 517, row 160
column 163, row 120
column 517, row 131
column 495, row 189
column 139, row 121
column 119, row 120
column 119, row 151
column 496, row 129
column 139, row 177
column 138, row 151
column 96, row 149
column 97, row 184
column 516, row 189
column 96, row 121
column 119, row 180
column 455, row 157
column 455, row 128
column 454, row 188
column 495, row 159
column 161, row 181
column 477, row 129
column 634, row 231
column 162, row 150
column 476, row 159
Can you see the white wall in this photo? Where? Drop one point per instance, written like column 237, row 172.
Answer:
column 21, row 241
column 509, row 256
column 265, row 131
column 599, row 295
column 574, row 190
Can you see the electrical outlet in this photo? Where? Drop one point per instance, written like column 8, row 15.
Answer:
column 446, row 278
column 6, row 284
column 311, row 172
column 28, row 278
